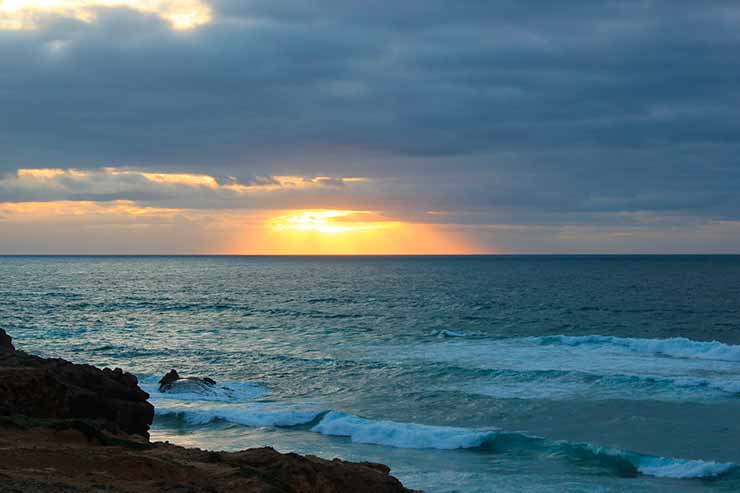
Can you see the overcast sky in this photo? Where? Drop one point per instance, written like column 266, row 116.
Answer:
column 523, row 126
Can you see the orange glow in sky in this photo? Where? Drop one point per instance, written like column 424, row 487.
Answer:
column 351, row 232
column 126, row 227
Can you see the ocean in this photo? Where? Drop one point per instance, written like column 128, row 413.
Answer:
column 463, row 374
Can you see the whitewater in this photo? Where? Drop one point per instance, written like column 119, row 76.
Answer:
column 463, row 374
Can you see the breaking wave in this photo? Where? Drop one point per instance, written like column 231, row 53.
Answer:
column 401, row 435
column 419, row 436
column 253, row 415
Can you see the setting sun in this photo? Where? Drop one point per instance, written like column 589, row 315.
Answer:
column 346, row 232
column 329, row 222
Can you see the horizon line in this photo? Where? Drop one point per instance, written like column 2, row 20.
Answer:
column 524, row 254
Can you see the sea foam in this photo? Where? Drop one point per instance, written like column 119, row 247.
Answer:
column 677, row 347
column 227, row 391
column 663, row 467
column 253, row 415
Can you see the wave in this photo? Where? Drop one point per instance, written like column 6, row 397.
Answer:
column 420, row 436
column 586, row 367
column 412, row 435
column 565, row 385
column 401, row 435
column 662, row 467
column 656, row 383
column 623, row 463
column 677, row 347
column 229, row 401
column 603, row 354
column 253, row 415
column 628, row 463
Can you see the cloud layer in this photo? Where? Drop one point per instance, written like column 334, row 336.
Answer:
column 509, row 116
column 172, row 190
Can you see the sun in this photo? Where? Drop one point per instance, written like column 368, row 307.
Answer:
column 329, row 221
column 344, row 232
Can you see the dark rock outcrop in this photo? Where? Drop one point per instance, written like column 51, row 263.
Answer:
column 169, row 377
column 41, row 459
column 57, row 389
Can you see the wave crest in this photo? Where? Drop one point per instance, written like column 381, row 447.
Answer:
column 401, row 435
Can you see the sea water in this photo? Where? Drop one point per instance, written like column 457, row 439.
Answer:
column 467, row 374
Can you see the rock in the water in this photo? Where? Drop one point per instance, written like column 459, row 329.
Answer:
column 189, row 385
column 170, row 377
column 57, row 389
column 173, row 383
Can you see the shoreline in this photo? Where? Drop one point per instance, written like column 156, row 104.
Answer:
column 68, row 427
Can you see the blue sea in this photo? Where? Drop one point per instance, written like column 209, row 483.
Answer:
column 463, row 374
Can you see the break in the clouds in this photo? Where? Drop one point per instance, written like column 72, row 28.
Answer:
column 526, row 126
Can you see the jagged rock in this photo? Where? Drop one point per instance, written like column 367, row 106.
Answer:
column 55, row 388
column 39, row 459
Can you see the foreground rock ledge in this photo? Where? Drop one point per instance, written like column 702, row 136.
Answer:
column 47, row 444
column 57, row 389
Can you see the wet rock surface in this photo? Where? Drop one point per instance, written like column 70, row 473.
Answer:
column 173, row 383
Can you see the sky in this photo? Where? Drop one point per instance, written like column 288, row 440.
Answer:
column 347, row 126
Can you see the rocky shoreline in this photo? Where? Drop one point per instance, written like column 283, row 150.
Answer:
column 69, row 427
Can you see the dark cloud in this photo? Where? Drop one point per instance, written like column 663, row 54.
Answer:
column 503, row 111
